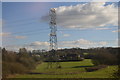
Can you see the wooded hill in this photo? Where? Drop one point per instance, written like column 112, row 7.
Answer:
column 24, row 60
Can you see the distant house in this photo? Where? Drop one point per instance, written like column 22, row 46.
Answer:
column 64, row 57
column 70, row 57
column 37, row 55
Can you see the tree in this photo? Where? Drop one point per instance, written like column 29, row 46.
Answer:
column 104, row 57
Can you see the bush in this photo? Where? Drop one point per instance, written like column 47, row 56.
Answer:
column 104, row 59
column 12, row 68
column 90, row 69
column 89, row 56
column 13, row 63
column 59, row 67
column 27, row 62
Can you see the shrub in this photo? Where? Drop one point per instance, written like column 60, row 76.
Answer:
column 27, row 62
column 13, row 63
column 59, row 67
column 104, row 59
column 90, row 69
column 12, row 68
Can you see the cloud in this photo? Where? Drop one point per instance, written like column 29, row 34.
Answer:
column 1, row 23
column 5, row 34
column 102, row 28
column 66, row 35
column 77, row 43
column 116, row 30
column 8, row 34
column 102, row 43
column 101, row 1
column 82, row 43
column 85, row 16
column 38, row 43
column 20, row 37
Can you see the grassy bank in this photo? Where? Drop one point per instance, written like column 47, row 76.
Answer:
column 69, row 70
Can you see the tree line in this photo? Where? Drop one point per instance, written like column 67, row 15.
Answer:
column 17, row 62
column 23, row 61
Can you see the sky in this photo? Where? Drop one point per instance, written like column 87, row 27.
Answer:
column 84, row 25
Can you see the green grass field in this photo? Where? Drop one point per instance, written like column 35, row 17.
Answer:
column 70, row 70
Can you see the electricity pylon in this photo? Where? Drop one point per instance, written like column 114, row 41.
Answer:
column 53, row 57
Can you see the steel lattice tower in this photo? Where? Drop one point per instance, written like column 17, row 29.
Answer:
column 53, row 27
column 53, row 57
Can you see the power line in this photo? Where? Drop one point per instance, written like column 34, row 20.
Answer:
column 22, row 20
column 40, row 30
column 13, row 36
column 19, row 25
column 100, row 40
column 37, row 30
